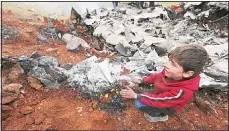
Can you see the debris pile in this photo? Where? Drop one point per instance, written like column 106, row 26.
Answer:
column 10, row 93
column 8, row 33
column 127, row 31
column 211, row 14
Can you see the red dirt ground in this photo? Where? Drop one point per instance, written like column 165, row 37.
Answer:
column 65, row 109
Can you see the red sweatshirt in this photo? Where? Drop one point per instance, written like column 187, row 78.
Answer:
column 174, row 94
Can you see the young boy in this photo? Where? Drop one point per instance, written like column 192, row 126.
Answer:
column 174, row 86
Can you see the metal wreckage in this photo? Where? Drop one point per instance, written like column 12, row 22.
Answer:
column 139, row 40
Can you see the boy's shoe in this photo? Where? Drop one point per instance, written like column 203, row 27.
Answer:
column 155, row 119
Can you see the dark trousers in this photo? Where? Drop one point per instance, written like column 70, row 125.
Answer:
column 153, row 111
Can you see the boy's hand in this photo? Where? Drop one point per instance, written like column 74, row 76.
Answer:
column 128, row 93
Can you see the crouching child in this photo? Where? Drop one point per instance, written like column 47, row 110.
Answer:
column 174, row 86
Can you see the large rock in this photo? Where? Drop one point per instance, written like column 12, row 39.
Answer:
column 34, row 83
column 29, row 120
column 6, row 108
column 26, row 110
column 157, row 12
column 217, row 50
column 57, row 73
column 27, row 63
column 116, row 39
column 8, row 33
column 45, row 78
column 13, row 87
column 218, row 71
column 208, row 82
column 137, row 39
column 92, row 76
column 74, row 42
column 9, row 99
column 47, row 61
column 149, row 40
column 204, row 106
column 36, row 55
column 15, row 73
column 37, row 72
column 66, row 66
column 222, row 5
column 48, row 73
column 38, row 117
column 189, row 4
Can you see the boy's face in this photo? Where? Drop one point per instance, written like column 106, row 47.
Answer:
column 175, row 71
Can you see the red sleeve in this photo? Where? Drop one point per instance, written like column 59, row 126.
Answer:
column 150, row 79
column 163, row 100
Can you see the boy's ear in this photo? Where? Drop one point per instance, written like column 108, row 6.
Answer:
column 188, row 74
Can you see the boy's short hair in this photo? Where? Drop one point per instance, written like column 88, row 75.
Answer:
column 191, row 57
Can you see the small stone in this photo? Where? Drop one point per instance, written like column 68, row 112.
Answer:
column 104, row 121
column 4, row 124
column 139, row 123
column 90, row 109
column 9, row 118
column 15, row 73
column 9, row 99
column 29, row 120
column 5, row 116
column 79, row 109
column 94, row 104
column 46, row 127
column 204, row 106
column 39, row 108
column 23, row 91
column 26, row 110
column 6, row 108
column 13, row 87
column 35, row 55
column 39, row 119
column 139, row 11
column 51, row 50
column 34, row 83
column 197, row 115
column 18, row 114
column 21, row 96
column 149, row 10
column 75, row 97
column 119, row 119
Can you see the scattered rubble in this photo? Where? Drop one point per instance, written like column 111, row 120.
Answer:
column 26, row 110
column 11, row 92
column 126, row 33
column 34, row 83
column 8, row 33
column 73, row 43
